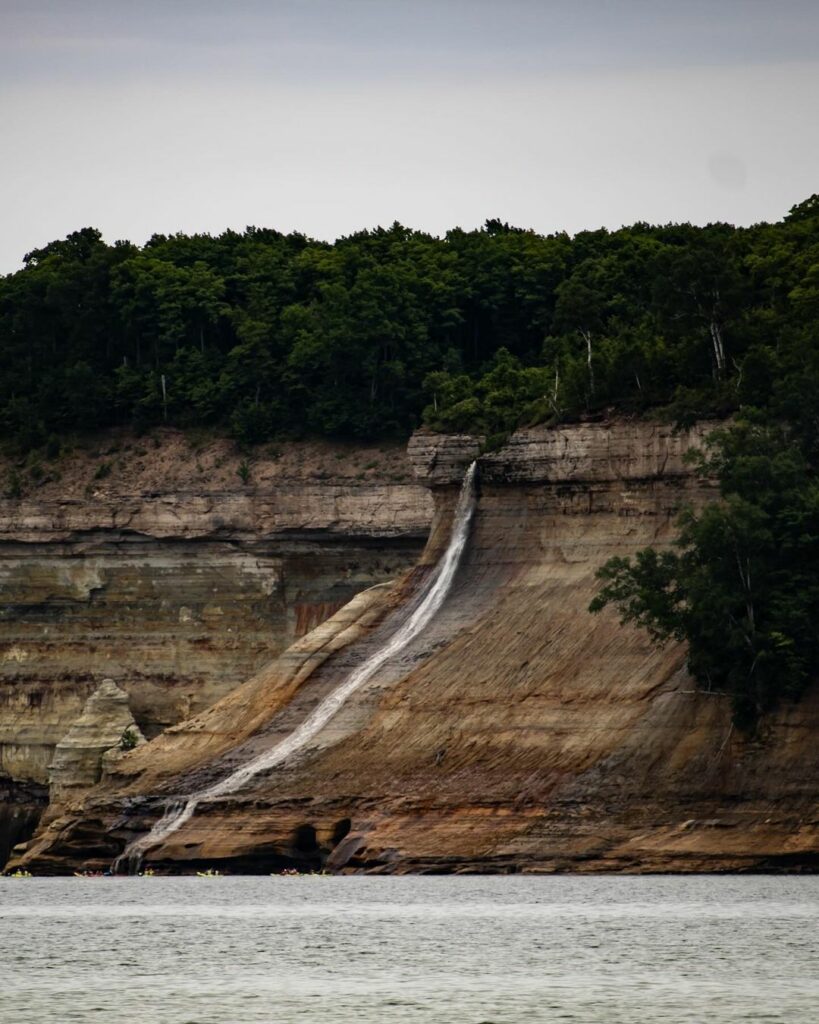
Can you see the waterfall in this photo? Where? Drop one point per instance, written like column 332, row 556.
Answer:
column 435, row 590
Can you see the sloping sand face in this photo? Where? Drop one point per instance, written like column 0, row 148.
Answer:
column 515, row 733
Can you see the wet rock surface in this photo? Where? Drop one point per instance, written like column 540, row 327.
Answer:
column 170, row 576
column 519, row 733
column 21, row 807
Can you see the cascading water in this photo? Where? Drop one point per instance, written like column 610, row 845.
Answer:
column 179, row 811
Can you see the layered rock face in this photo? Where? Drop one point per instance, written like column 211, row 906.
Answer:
column 151, row 562
column 21, row 808
column 105, row 728
column 517, row 733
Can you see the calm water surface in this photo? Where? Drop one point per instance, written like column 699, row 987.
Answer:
column 376, row 950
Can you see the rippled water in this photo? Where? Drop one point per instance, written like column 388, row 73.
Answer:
column 376, row 950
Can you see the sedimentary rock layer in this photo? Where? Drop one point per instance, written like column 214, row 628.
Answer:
column 519, row 733
column 105, row 727
column 151, row 562
column 21, row 807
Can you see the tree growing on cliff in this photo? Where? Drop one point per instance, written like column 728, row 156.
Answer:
column 741, row 586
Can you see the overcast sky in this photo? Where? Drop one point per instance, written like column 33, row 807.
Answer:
column 328, row 116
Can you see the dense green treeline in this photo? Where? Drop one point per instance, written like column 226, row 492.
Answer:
column 265, row 334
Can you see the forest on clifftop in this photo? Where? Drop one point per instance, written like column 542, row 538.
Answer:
column 264, row 335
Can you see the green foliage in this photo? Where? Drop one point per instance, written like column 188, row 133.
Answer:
column 741, row 586
column 250, row 422
column 128, row 740
column 263, row 335
column 14, row 485
column 506, row 395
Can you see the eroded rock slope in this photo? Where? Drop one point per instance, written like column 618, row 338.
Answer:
column 518, row 733
column 172, row 568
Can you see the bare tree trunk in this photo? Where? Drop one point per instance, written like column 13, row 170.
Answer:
column 745, row 580
column 586, row 335
column 738, row 368
column 719, row 348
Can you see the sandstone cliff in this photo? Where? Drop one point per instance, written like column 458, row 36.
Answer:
column 151, row 562
column 517, row 733
column 92, row 744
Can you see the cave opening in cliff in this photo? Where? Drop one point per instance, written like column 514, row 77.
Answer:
column 304, row 839
column 305, row 849
column 341, row 830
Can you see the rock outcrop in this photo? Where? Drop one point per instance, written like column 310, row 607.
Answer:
column 21, row 808
column 105, row 728
column 518, row 733
column 440, row 460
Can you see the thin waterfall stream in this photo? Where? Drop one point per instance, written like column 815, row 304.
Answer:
column 435, row 590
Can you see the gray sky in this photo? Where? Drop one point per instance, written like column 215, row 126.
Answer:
column 328, row 116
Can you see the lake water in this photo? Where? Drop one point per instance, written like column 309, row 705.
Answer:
column 705, row 950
